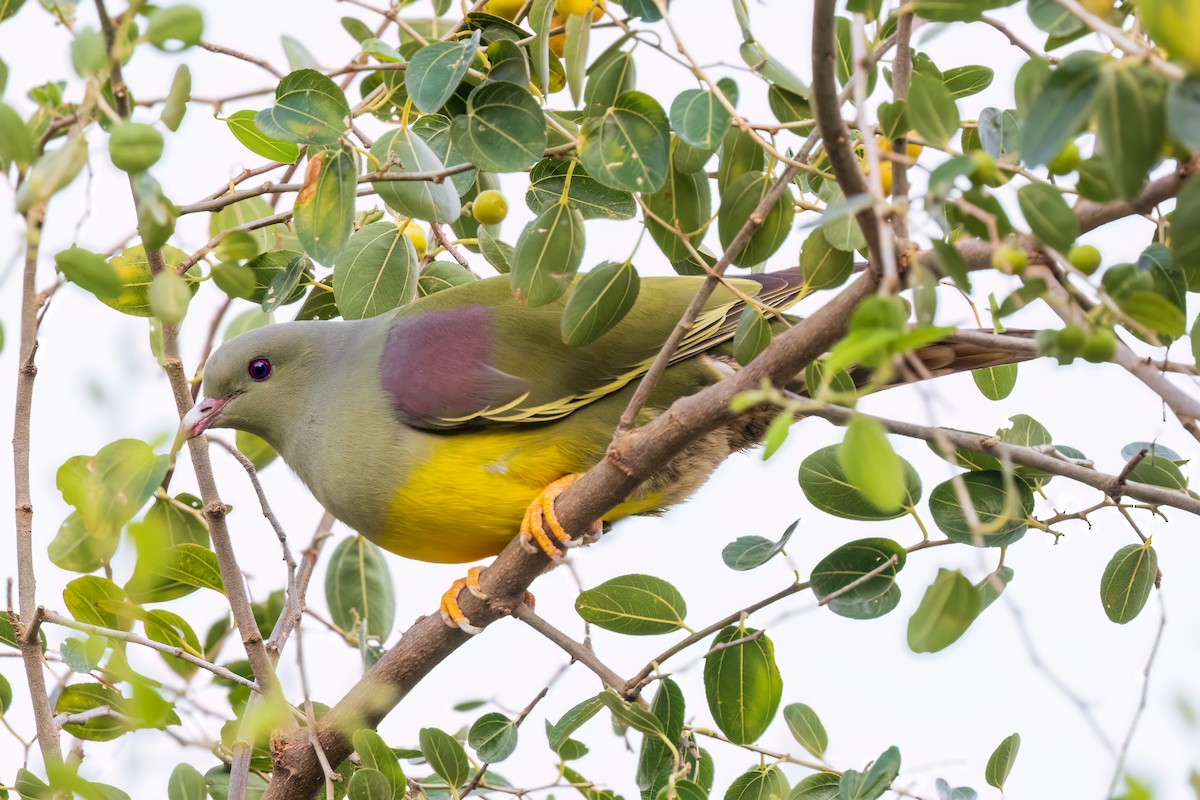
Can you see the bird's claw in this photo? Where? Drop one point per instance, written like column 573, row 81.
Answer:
column 540, row 516
column 453, row 616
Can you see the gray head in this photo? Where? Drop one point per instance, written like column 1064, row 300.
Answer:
column 261, row 381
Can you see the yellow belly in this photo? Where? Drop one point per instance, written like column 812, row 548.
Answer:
column 466, row 501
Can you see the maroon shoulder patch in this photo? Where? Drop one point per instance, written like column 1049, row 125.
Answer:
column 437, row 367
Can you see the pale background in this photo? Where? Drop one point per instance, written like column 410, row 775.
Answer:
column 98, row 382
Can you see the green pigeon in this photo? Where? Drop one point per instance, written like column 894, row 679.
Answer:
column 434, row 430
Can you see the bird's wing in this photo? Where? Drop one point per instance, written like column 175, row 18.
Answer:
column 472, row 355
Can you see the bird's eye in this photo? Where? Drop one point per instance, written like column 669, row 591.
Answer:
column 259, row 369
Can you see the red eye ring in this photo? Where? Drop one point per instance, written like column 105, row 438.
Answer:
column 259, row 369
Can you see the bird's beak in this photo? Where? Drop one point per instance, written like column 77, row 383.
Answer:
column 202, row 416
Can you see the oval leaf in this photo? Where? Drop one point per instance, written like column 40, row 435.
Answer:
column 358, row 589
column 628, row 146
column 851, row 562
column 1002, row 510
column 503, row 129
column 827, row 487
column 376, row 272
column 1127, row 580
column 636, row 605
column 309, row 109
column 742, row 683
column 598, row 302
column 548, row 253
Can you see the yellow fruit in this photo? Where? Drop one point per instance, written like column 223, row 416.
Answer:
column 559, row 40
column 503, row 8
column 567, row 7
column 912, row 149
column 1101, row 8
column 1009, row 259
column 489, row 208
column 1172, row 24
column 416, row 235
column 885, row 177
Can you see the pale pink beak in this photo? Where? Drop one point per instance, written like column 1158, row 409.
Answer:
column 202, row 415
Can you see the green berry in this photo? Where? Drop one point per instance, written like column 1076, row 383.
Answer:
column 1009, row 259
column 985, row 170
column 1084, row 258
column 1070, row 340
column 1100, row 346
column 1066, row 161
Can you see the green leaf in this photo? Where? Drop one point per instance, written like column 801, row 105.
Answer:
column 52, row 172
column 742, row 683
column 636, row 605
column 285, row 285
column 324, row 208
column 320, row 303
column 699, row 118
column 740, row 153
column 760, row 783
column 81, row 655
column 239, row 245
column 548, row 253
column 608, row 78
column 775, row 71
column 268, row 267
column 376, row 272
column 599, row 301
column 655, row 760
column 752, row 335
column 748, row 552
column 738, row 202
column 155, row 214
column 497, row 253
column 1048, row 215
column 968, row 80
column 1127, row 580
column 445, row 756
column 503, row 130
column 6, row 695
column 999, row 133
column 956, row 11
column 16, row 143
column 632, row 715
column 827, row 487
column 628, row 146
column 241, row 125
column 442, row 275
column 369, row 784
column 823, row 265
column 1002, row 510
column 1061, row 107
column 309, row 109
column 374, row 754
column 175, row 106
column 89, row 271
column 109, row 488
column 996, row 383
column 1130, row 119
column 169, row 297
column 1185, row 233
column 493, row 736
column 806, row 726
column 871, row 465
column 190, row 565
column 683, row 202
column 359, row 590
column 874, row 782
column 182, row 24
column 255, row 448
column 787, row 106
column 1183, row 112
column 434, row 130
column 870, row 598
column 932, row 109
column 435, row 71
column 820, row 786
column 594, row 200
column 401, row 150
column 1000, row 763
column 79, row 697
column 558, row 734
column 948, row 608
column 575, row 53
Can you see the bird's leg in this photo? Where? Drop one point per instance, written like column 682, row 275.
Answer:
column 538, row 517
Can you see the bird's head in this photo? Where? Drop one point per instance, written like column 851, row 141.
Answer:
column 260, row 381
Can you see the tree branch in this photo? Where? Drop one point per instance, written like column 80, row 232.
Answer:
column 31, row 653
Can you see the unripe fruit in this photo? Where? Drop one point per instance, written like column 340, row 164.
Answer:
column 134, row 147
column 558, row 41
column 1099, row 346
column 489, row 208
column 985, row 170
column 1012, row 260
column 1084, row 258
column 416, row 235
column 1070, row 340
column 1066, row 161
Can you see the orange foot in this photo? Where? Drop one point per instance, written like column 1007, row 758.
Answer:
column 540, row 515
column 452, row 615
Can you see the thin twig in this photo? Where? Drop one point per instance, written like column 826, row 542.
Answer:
column 229, row 51
column 1119, row 767
column 573, row 648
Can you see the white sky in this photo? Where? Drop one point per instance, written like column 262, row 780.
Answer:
column 98, row 382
